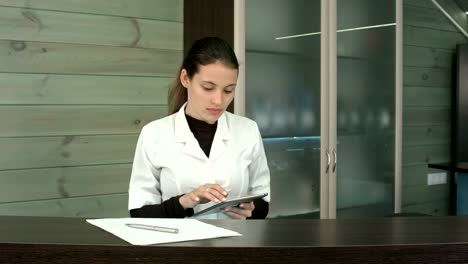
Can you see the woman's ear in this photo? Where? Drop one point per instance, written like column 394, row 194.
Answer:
column 184, row 78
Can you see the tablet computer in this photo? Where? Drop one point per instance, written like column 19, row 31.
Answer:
column 229, row 202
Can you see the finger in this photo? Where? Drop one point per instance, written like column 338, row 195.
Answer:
column 247, row 206
column 234, row 215
column 194, row 197
column 239, row 211
column 189, row 200
column 208, row 195
column 215, row 193
column 218, row 188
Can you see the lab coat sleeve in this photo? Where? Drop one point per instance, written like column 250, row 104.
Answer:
column 259, row 174
column 144, row 186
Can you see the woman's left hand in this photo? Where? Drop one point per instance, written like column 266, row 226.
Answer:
column 242, row 211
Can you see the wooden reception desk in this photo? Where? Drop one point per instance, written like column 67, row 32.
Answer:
column 380, row 240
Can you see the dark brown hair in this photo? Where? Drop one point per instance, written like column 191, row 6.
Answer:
column 203, row 52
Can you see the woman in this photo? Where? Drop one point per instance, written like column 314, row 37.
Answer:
column 200, row 153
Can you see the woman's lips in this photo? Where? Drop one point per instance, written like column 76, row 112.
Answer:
column 214, row 111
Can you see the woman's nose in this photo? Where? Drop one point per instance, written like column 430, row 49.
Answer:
column 217, row 98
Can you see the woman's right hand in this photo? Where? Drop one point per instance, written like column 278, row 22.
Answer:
column 203, row 194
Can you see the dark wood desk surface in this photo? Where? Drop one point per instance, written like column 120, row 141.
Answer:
column 379, row 240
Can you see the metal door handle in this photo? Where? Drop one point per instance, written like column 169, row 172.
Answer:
column 336, row 161
column 328, row 161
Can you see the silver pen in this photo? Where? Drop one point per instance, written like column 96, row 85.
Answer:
column 154, row 228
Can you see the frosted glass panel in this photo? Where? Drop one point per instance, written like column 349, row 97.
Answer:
column 365, row 108
column 283, row 96
column 361, row 13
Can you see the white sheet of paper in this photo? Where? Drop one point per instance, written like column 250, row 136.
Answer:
column 189, row 229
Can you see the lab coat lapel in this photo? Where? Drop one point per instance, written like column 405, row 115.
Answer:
column 184, row 135
column 221, row 136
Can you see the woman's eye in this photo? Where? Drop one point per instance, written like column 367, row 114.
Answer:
column 207, row 88
column 228, row 91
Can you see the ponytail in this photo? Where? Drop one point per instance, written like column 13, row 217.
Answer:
column 177, row 96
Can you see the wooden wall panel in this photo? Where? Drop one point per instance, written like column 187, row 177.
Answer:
column 428, row 57
column 424, row 154
column 170, row 10
column 426, row 135
column 436, row 208
column 425, row 37
column 64, row 151
column 429, row 48
column 51, row 26
column 97, row 206
column 416, row 175
column 427, row 96
column 63, row 182
column 426, row 115
column 76, row 120
column 44, row 57
column 424, row 76
column 423, row 194
column 78, row 81
column 51, row 89
column 426, row 18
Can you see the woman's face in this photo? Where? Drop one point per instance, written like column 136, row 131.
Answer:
column 210, row 91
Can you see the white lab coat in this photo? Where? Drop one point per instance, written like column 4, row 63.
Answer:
column 169, row 161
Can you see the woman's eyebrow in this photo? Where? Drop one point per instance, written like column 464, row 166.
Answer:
column 209, row 82
column 214, row 84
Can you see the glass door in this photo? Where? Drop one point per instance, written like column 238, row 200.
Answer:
column 320, row 82
column 283, row 95
column 365, row 105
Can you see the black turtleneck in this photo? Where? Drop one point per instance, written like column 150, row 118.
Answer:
column 204, row 133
